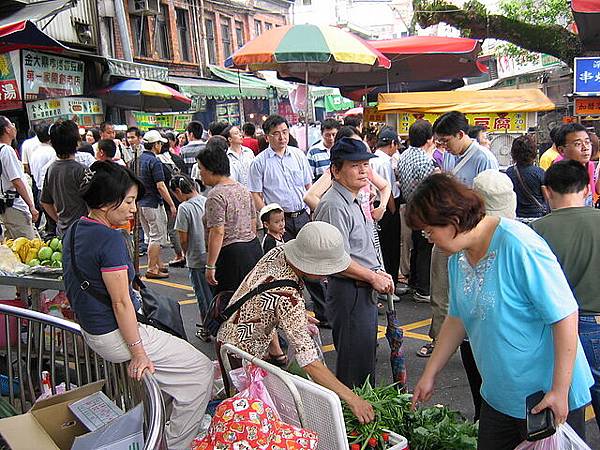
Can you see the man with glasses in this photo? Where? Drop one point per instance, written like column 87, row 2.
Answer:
column 281, row 174
column 573, row 143
column 465, row 158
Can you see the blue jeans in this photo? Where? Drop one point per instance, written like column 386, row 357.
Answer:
column 589, row 335
column 201, row 289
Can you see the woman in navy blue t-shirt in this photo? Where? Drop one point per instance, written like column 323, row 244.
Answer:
column 106, row 311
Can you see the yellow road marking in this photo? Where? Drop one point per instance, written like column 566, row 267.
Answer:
column 381, row 333
column 415, row 325
column 187, row 302
column 169, row 284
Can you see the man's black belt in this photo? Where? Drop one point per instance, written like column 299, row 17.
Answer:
column 294, row 214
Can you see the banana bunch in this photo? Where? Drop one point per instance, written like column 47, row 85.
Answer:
column 24, row 248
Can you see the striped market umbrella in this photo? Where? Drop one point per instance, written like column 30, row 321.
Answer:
column 308, row 53
column 145, row 96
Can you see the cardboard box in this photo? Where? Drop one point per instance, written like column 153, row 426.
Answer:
column 51, row 425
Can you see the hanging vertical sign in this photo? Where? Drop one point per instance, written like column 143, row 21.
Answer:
column 10, row 97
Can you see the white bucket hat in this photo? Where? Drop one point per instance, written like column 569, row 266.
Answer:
column 497, row 192
column 318, row 250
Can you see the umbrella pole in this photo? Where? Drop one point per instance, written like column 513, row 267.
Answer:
column 387, row 80
column 306, row 108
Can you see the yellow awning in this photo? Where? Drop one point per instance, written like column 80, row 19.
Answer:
column 499, row 100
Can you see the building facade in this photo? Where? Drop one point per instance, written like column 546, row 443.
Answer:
column 186, row 35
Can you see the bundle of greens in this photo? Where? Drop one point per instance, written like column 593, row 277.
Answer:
column 432, row 428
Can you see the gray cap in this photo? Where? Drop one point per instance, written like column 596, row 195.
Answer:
column 318, row 250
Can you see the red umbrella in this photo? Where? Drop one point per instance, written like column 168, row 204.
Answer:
column 24, row 34
column 587, row 18
column 417, row 58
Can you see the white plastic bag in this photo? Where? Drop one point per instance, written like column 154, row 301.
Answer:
column 565, row 438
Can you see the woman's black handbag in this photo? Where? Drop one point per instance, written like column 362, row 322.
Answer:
column 159, row 311
column 218, row 311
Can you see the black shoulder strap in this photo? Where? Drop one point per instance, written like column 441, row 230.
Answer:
column 228, row 312
column 527, row 191
column 83, row 283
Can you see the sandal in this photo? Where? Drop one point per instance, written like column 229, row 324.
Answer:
column 426, row 350
column 278, row 360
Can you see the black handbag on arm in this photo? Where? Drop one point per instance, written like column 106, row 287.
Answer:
column 159, row 311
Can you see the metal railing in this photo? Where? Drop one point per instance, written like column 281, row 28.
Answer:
column 35, row 342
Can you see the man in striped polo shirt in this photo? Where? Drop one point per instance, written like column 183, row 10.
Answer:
column 318, row 154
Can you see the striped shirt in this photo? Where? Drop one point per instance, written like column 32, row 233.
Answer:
column 318, row 159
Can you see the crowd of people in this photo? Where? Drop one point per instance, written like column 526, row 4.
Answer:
column 506, row 259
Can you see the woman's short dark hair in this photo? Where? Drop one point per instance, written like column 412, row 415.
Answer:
column 95, row 133
column 170, row 136
column 442, row 200
column 523, row 151
column 182, row 182
column 214, row 157
column 64, row 136
column 107, row 183
column 263, row 144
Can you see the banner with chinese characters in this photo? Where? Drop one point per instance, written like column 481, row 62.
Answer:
column 492, row 122
column 50, row 76
column 588, row 106
column 10, row 96
column 85, row 111
column 177, row 122
column 372, row 117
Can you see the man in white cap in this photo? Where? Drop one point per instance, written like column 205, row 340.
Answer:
column 317, row 251
column 351, row 309
column 152, row 215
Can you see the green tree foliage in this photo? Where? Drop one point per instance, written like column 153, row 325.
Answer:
column 533, row 25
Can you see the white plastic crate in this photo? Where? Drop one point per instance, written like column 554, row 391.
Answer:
column 399, row 442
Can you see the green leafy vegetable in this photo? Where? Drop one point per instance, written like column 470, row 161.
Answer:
column 433, row 428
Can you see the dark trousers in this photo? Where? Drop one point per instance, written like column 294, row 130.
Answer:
column 352, row 314
column 498, row 431
column 420, row 263
column 466, row 354
column 389, row 239
column 316, row 289
column 589, row 335
column 234, row 262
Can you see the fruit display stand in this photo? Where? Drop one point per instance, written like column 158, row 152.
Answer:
column 34, row 284
column 32, row 266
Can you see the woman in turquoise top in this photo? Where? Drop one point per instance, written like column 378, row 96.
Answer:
column 509, row 295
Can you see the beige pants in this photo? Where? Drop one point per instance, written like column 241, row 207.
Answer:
column 18, row 224
column 182, row 372
column 405, row 243
column 439, row 291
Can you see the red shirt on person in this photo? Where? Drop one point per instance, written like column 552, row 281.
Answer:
column 251, row 143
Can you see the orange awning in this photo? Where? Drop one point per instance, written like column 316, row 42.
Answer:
column 500, row 100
